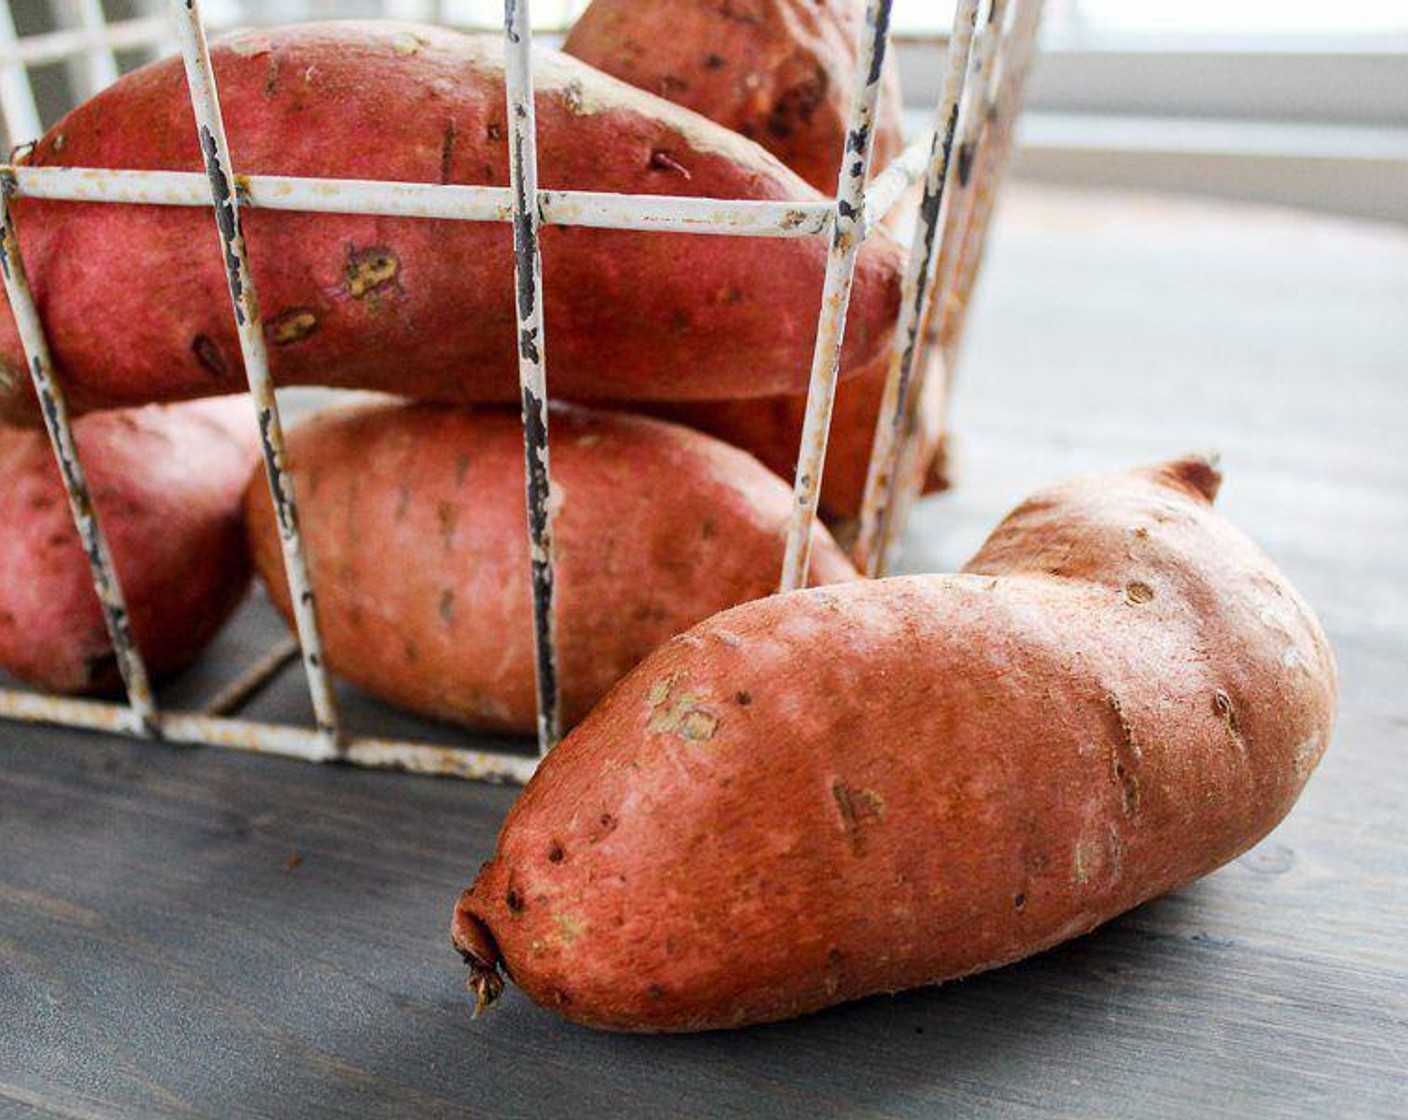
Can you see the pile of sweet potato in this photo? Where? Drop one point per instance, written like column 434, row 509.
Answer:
column 424, row 309
column 769, row 804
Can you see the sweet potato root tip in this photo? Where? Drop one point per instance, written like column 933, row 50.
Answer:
column 487, row 986
column 477, row 947
column 1199, row 473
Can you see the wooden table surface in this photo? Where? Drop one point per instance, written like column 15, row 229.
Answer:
column 200, row 933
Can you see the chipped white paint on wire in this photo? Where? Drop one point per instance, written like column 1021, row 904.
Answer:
column 657, row 213
column 898, row 403
column 532, row 359
column 50, row 394
column 847, row 234
column 267, row 738
column 210, row 129
column 998, row 72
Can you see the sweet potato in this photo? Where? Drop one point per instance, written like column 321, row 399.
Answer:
column 417, row 531
column 166, row 483
column 771, row 429
column 850, row 790
column 134, row 296
column 778, row 71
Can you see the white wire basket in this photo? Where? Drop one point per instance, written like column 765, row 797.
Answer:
column 959, row 160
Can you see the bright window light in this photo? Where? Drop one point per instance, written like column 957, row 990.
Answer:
column 1255, row 17
column 1190, row 17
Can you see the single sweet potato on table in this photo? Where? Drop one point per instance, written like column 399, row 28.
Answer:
column 166, row 483
column 859, row 789
column 135, row 301
column 416, row 527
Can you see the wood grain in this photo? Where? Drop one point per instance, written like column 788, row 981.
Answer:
column 197, row 933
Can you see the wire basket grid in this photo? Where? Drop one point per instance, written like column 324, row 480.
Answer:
column 959, row 160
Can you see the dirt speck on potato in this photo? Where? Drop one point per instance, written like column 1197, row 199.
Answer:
column 208, row 353
column 1136, row 593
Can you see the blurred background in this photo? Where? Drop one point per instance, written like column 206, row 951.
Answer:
column 1302, row 102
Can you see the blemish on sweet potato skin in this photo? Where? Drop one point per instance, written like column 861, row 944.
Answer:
column 449, row 134
column 370, row 269
column 1222, row 705
column 1137, row 592
column 858, row 809
column 661, row 160
column 293, row 325
column 1125, row 756
column 208, row 354
column 934, row 775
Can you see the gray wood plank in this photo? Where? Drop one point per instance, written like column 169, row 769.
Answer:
column 198, row 933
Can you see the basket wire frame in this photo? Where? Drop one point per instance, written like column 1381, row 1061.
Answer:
column 959, row 160
column 847, row 236
column 898, row 401
column 215, row 147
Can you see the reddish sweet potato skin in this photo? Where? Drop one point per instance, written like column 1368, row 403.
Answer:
column 134, row 297
column 166, row 483
column 778, row 71
column 771, row 429
column 860, row 789
column 416, row 527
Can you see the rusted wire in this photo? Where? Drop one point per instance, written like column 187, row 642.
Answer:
column 597, row 209
column 1012, row 69
column 273, row 739
column 253, row 680
column 1003, row 62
